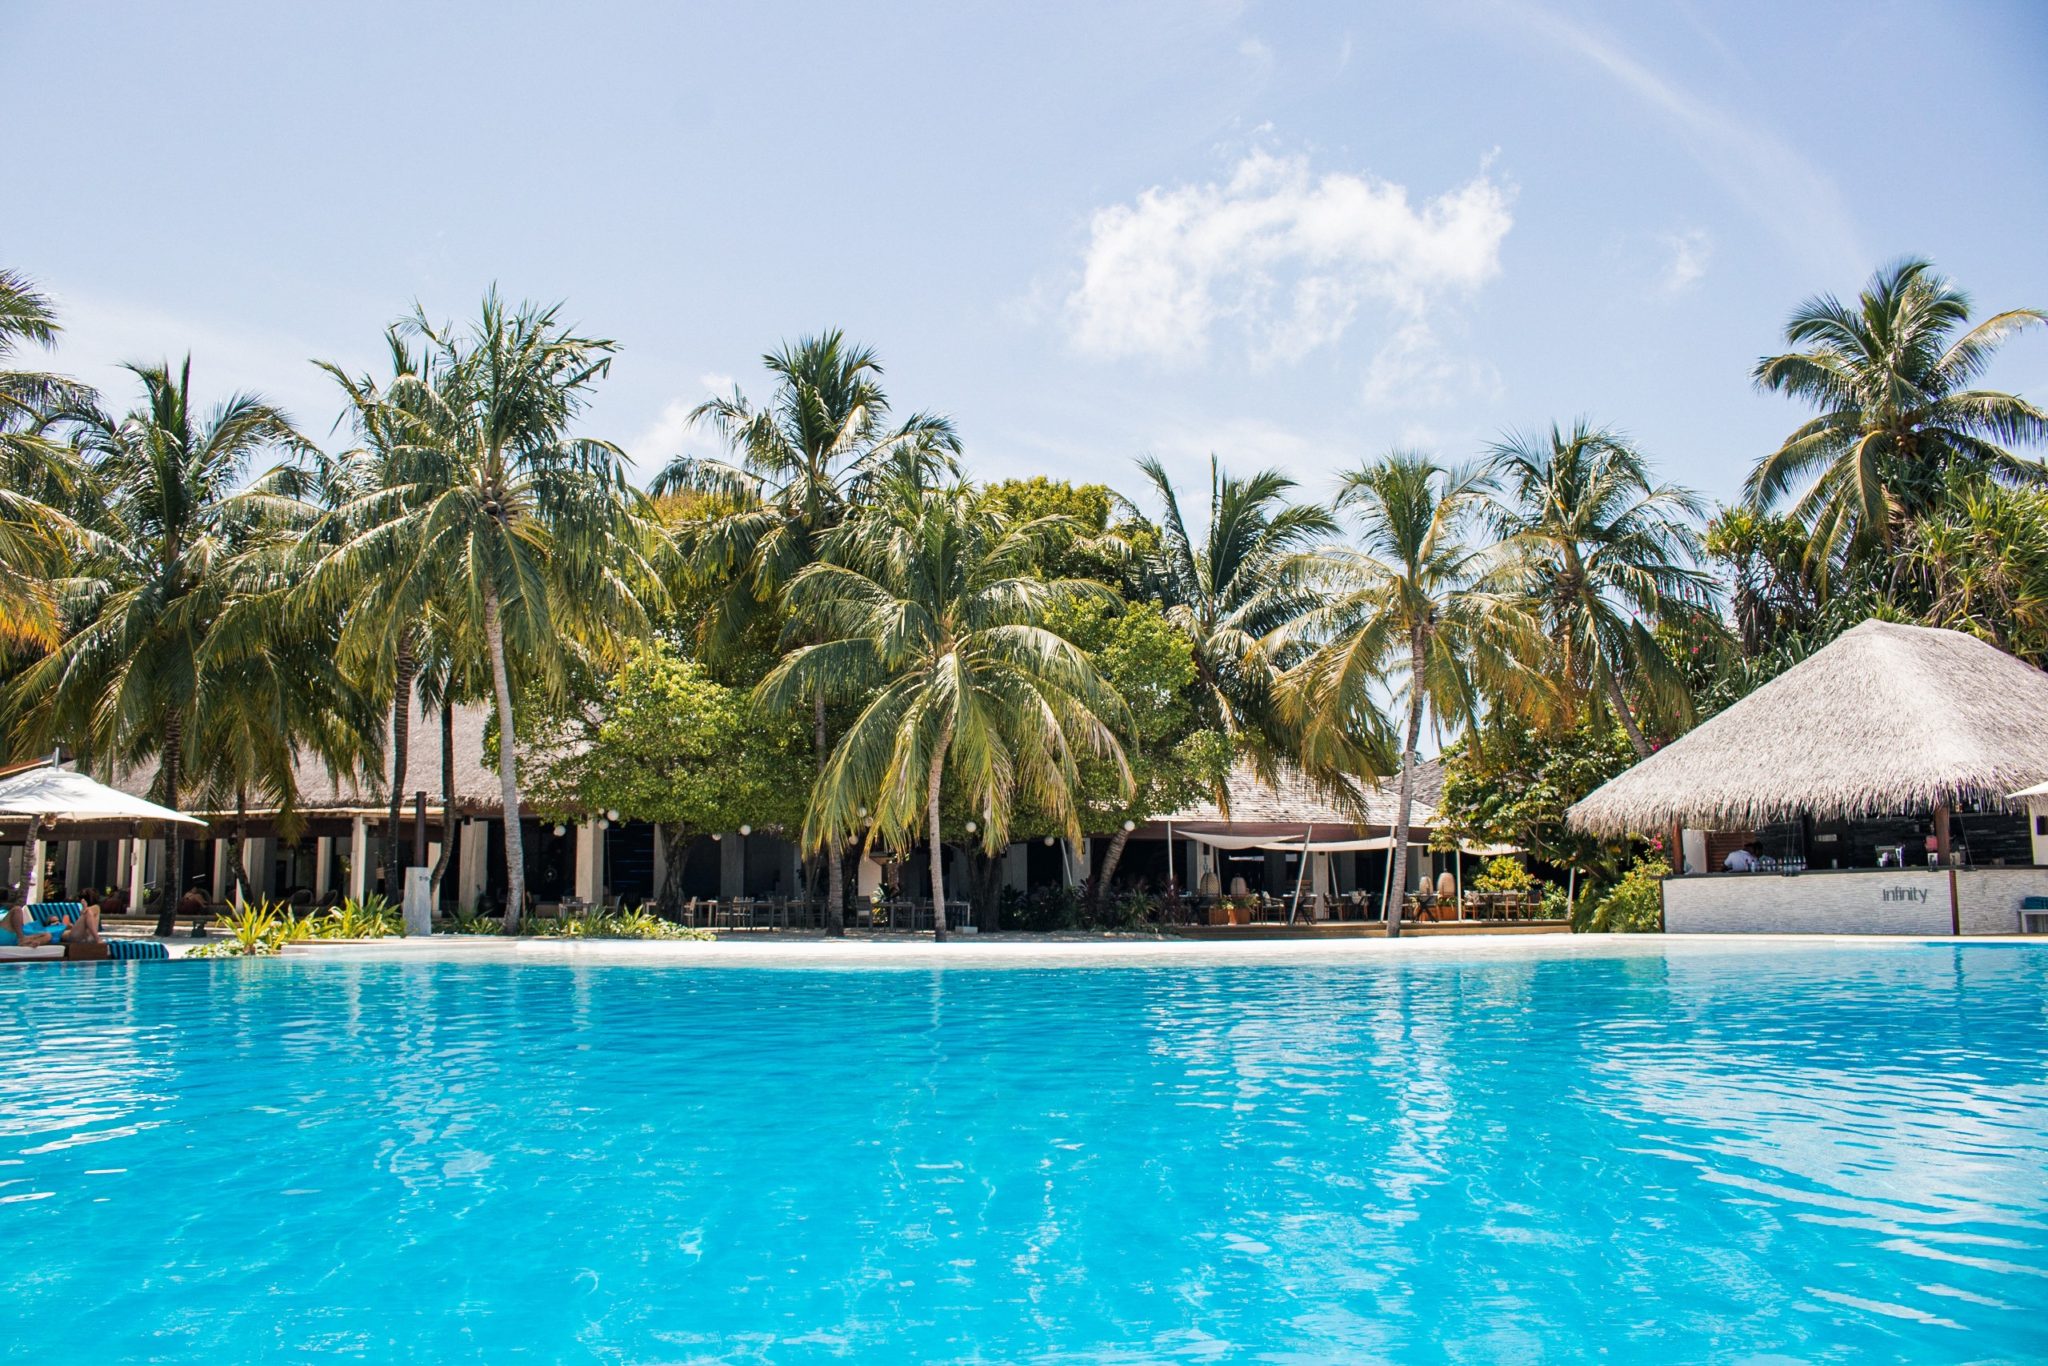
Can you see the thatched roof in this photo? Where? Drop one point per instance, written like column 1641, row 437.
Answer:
column 476, row 781
column 1293, row 800
column 1885, row 718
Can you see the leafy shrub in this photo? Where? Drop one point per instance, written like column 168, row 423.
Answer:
column 1636, row 905
column 1046, row 909
column 1504, row 874
column 1131, row 911
column 635, row 924
column 371, row 918
column 257, row 930
column 1556, row 905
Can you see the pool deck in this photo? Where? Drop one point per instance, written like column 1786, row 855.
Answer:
column 1053, row 951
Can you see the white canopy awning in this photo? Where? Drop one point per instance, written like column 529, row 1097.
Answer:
column 62, row 795
column 1286, row 844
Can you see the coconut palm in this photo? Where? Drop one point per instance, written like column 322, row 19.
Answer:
column 1230, row 588
column 37, row 476
column 1606, row 554
column 531, row 536
column 1418, row 605
column 932, row 619
column 130, row 684
column 1891, row 379
column 380, row 628
column 801, row 463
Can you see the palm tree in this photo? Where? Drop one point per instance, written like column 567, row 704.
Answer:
column 1890, row 378
column 1230, row 589
column 531, row 536
column 37, row 475
column 933, row 619
column 1606, row 555
column 1417, row 605
column 816, row 450
column 380, row 633
column 129, row 684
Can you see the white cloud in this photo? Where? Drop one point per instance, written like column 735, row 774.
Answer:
column 1690, row 251
column 1287, row 258
column 661, row 440
column 1755, row 166
column 1416, row 370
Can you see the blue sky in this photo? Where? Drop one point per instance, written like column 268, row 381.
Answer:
column 1292, row 234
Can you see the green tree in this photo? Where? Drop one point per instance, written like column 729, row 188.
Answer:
column 530, row 535
column 802, row 463
column 1774, row 587
column 1891, row 378
column 129, row 684
column 1512, row 782
column 1232, row 589
column 1418, row 606
column 1980, row 564
column 1171, row 757
column 932, row 620
column 37, row 475
column 1604, row 554
column 669, row 744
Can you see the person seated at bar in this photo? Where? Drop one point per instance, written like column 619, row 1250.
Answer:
column 1747, row 859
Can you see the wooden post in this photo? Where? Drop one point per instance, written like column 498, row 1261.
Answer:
column 419, row 829
column 1941, row 851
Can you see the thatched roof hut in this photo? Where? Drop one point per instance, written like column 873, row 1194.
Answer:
column 1885, row 718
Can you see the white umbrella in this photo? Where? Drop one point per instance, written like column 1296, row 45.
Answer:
column 62, row 795
column 59, row 794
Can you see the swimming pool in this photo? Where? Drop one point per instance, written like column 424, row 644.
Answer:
column 1811, row 1154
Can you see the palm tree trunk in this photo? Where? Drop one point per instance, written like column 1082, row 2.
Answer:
column 1617, row 700
column 835, row 884
column 238, row 873
column 168, row 890
column 931, row 811
column 1404, row 794
column 508, row 777
column 1110, row 858
column 449, row 825
column 401, row 746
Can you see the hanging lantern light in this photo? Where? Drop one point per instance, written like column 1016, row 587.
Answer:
column 612, row 815
column 561, row 830
column 746, row 830
column 972, row 827
column 1129, row 826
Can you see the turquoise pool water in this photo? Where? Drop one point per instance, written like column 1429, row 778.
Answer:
column 1758, row 1156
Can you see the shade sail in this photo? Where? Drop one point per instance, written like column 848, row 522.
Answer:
column 62, row 795
column 1284, row 844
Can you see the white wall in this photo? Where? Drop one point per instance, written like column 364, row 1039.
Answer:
column 1874, row 901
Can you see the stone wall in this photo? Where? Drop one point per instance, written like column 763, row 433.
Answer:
column 1872, row 901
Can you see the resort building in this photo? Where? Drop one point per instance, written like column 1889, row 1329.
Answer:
column 1875, row 787
column 1282, row 840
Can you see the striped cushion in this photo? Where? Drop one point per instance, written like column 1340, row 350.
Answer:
column 46, row 912
column 136, row 948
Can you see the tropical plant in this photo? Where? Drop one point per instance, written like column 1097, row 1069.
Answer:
column 37, row 475
column 1604, row 555
column 257, row 929
column 531, row 537
column 129, row 684
column 1419, row 607
column 1230, row 590
column 1504, row 874
column 931, row 620
column 1891, row 378
column 1636, row 903
column 1980, row 564
column 801, row 464
column 1774, row 587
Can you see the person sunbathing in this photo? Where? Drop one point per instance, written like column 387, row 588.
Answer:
column 82, row 929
